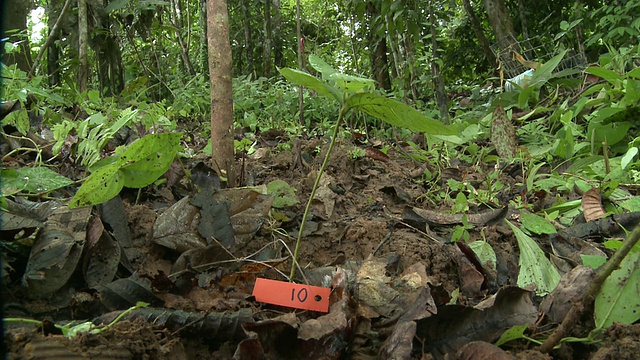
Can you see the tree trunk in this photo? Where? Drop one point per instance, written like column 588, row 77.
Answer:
column 220, row 70
column 523, row 19
column 278, row 53
column 300, row 42
column 177, row 21
column 378, row 48
column 83, row 45
column 500, row 21
column 266, row 50
column 441, row 94
column 248, row 39
column 19, row 10
column 482, row 39
column 202, row 51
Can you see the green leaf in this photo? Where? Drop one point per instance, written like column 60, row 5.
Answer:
column 545, row 71
column 102, row 185
column 321, row 66
column 397, row 114
column 536, row 224
column 351, row 83
column 535, row 268
column 628, row 156
column 485, row 253
column 595, row 261
column 302, row 78
column 32, row 180
column 511, row 334
column 139, row 165
column 613, row 133
column 19, row 119
column 609, row 75
column 618, row 299
column 285, row 194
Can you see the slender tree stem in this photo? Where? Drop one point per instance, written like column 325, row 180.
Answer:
column 592, row 290
column 334, row 136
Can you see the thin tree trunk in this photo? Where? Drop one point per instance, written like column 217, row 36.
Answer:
column 300, row 42
column 53, row 35
column 378, row 48
column 83, row 44
column 441, row 95
column 248, row 40
column 278, row 54
column 178, row 23
column 500, row 21
column 523, row 19
column 482, row 39
column 202, row 51
column 266, row 50
column 220, row 70
column 19, row 10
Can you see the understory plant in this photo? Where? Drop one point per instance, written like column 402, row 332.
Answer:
column 356, row 93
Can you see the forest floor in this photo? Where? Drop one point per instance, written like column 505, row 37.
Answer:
column 400, row 288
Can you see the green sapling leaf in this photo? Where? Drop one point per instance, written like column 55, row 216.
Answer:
column 102, row 185
column 536, row 224
column 397, row 114
column 313, row 83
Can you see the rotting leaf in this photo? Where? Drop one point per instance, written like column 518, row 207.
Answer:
column 503, row 134
column 285, row 194
column 376, row 154
column 592, row 205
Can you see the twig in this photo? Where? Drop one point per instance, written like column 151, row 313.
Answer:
column 50, row 39
column 592, row 290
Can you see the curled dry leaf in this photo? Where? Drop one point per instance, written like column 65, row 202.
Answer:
column 592, row 205
column 376, row 154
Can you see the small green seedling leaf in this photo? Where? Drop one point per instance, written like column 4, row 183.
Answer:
column 285, row 195
column 515, row 333
column 595, row 261
column 397, row 114
column 618, row 299
column 536, row 224
column 535, row 268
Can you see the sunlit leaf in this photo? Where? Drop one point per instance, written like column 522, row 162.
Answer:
column 302, row 78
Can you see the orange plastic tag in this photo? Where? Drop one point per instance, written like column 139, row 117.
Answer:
column 297, row 296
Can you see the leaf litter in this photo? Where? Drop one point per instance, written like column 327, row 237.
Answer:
column 400, row 287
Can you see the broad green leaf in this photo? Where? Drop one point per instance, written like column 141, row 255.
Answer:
column 609, row 75
column 321, row 66
column 32, row 180
column 285, row 194
column 635, row 73
column 535, row 268
column 536, row 224
column 302, row 78
column 628, row 157
column 351, row 83
column 147, row 152
column 485, row 253
column 145, row 160
column 618, row 299
column 397, row 114
column 19, row 119
column 102, row 185
column 595, row 261
column 545, row 71
column 612, row 133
